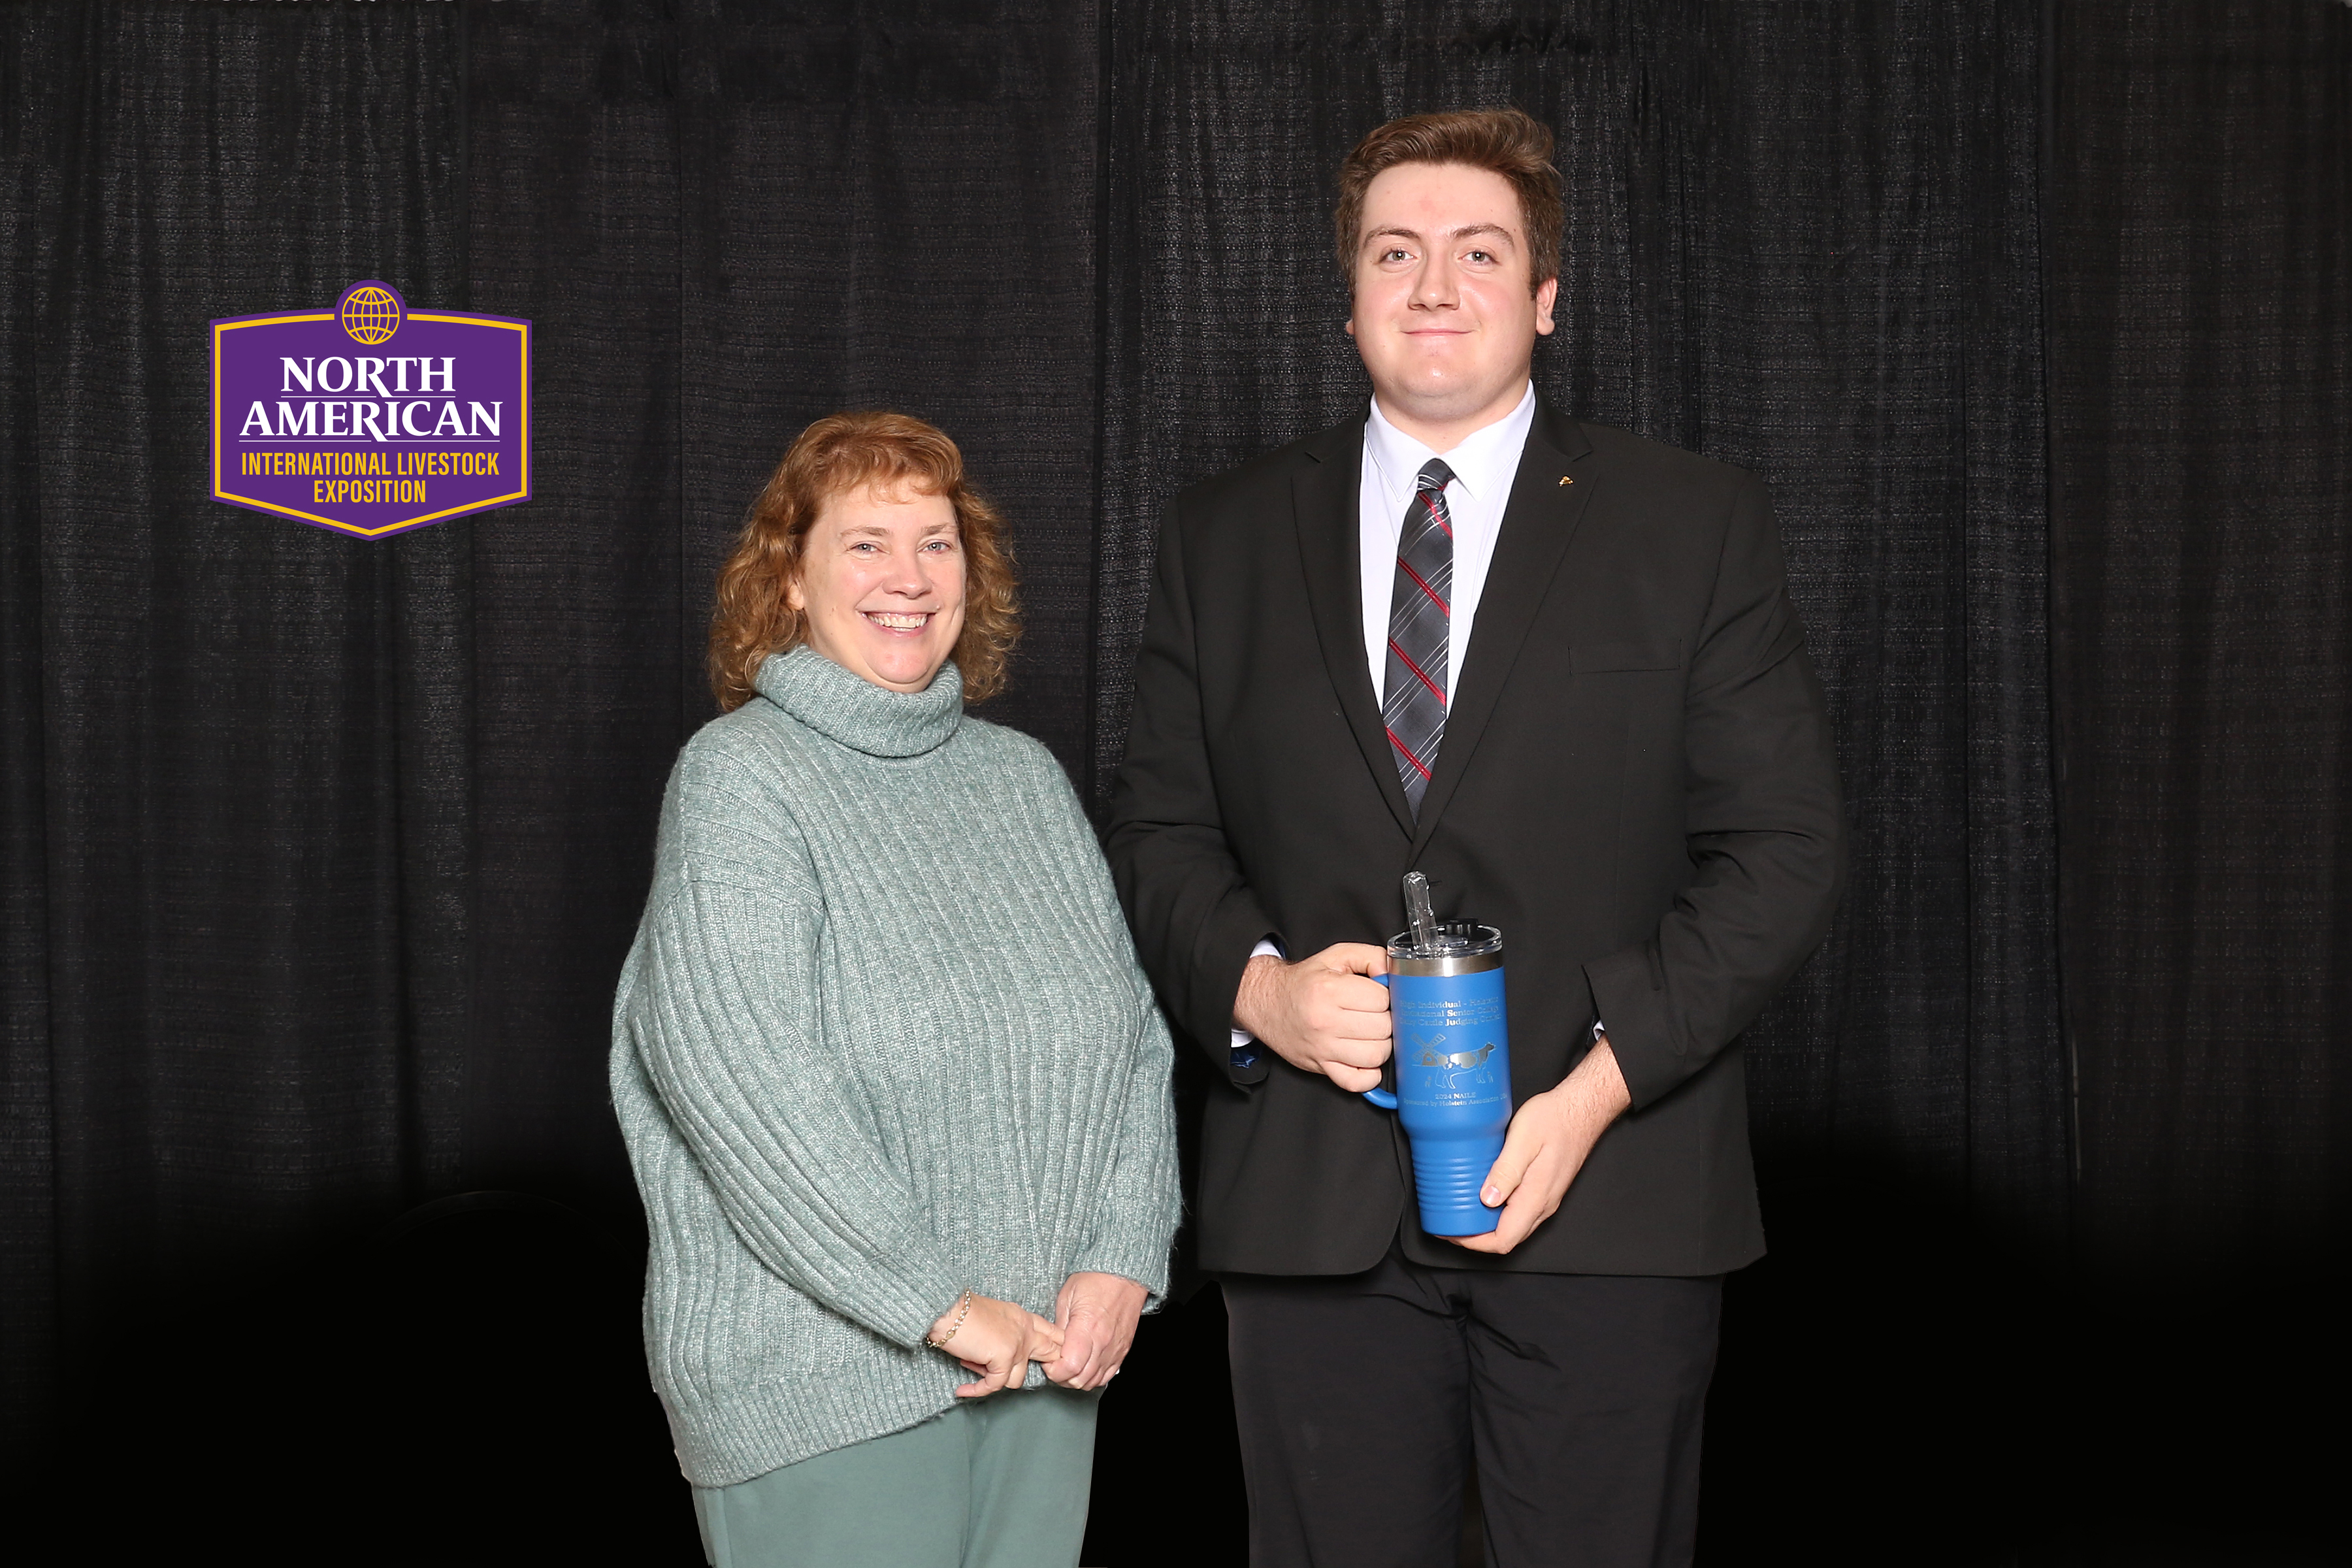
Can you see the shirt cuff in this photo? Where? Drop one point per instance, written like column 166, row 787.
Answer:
column 1265, row 949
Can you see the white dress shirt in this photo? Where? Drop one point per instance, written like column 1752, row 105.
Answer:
column 1483, row 465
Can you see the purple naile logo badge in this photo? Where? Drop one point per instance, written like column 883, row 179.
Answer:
column 370, row 418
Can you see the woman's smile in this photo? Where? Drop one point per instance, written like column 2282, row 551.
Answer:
column 902, row 621
column 882, row 585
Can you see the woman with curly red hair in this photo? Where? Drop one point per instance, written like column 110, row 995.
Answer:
column 894, row 1087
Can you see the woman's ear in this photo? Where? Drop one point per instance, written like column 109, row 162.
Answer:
column 792, row 599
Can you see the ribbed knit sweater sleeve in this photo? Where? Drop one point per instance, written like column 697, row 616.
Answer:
column 1141, row 1201
column 1137, row 1210
column 726, row 1027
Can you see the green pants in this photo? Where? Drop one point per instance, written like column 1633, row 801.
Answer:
column 999, row 1482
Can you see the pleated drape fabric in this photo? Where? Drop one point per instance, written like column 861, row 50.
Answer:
column 237, row 842
column 2200, row 347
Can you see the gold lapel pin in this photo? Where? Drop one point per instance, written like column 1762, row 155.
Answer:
column 1565, row 481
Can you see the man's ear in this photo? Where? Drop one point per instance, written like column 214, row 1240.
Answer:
column 1546, row 292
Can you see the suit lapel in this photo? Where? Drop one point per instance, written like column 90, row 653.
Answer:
column 1547, row 499
column 1324, row 495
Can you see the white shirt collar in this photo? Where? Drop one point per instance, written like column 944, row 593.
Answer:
column 1484, row 463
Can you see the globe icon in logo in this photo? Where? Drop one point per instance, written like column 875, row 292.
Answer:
column 370, row 313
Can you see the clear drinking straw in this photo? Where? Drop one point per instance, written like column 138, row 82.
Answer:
column 1417, row 910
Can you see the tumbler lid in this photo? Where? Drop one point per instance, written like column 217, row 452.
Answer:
column 1460, row 947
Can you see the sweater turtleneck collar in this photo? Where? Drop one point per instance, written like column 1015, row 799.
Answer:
column 854, row 711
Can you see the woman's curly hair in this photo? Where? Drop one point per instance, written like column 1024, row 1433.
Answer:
column 839, row 453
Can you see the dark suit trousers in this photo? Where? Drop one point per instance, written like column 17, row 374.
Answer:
column 1362, row 1398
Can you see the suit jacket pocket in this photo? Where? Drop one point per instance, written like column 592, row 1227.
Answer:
column 1593, row 659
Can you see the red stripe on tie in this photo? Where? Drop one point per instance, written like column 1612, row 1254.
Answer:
column 1404, row 566
column 1400, row 745
column 1429, row 499
column 1417, row 671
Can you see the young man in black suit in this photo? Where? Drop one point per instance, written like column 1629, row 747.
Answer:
column 1628, row 768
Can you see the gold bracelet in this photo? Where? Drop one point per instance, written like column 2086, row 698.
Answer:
column 962, row 1311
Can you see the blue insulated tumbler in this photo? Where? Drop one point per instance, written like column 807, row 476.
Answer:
column 1452, row 1060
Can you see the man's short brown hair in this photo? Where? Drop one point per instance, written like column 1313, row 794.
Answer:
column 1506, row 141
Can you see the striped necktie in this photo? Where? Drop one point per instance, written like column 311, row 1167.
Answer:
column 1420, row 609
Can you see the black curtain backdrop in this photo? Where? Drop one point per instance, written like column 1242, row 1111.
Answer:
column 2201, row 348
column 239, row 850
column 318, row 856
column 2199, row 291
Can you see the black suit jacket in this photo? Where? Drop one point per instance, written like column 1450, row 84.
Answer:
column 1636, row 783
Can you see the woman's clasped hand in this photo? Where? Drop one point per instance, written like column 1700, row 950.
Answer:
column 1097, row 1314
column 998, row 1340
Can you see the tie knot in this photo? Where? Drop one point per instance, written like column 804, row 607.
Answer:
column 1435, row 474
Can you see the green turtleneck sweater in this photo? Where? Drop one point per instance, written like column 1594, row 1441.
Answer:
column 882, row 1036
